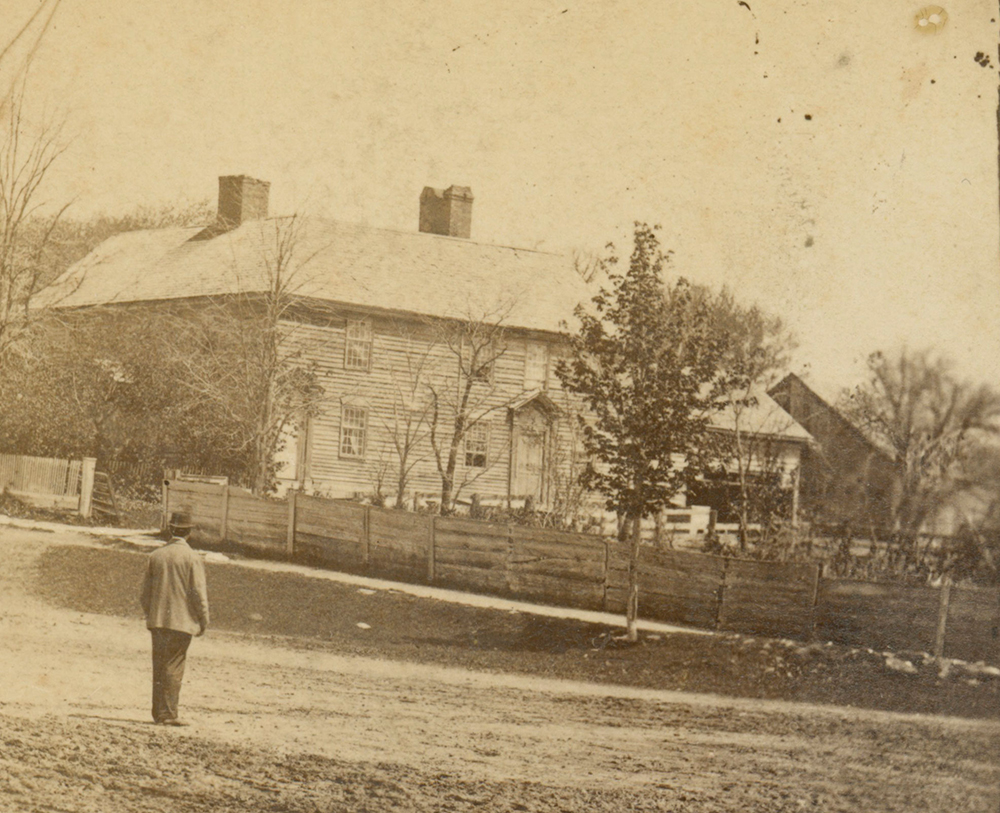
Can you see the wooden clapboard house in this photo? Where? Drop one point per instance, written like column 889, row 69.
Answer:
column 375, row 315
column 380, row 316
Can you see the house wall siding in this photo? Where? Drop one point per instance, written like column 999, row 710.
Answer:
column 405, row 351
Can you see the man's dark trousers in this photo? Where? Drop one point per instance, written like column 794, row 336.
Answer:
column 169, row 655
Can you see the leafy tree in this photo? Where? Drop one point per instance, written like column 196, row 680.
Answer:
column 217, row 387
column 757, row 346
column 650, row 369
column 95, row 384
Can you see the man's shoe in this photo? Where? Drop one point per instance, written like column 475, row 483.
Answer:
column 175, row 722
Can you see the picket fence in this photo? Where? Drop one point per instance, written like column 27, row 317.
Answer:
column 49, row 482
column 591, row 572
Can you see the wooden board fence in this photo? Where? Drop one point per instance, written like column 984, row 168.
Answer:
column 590, row 572
column 775, row 599
column 399, row 543
column 674, row 586
column 471, row 554
column 972, row 630
column 556, row 567
column 261, row 525
column 876, row 615
column 330, row 532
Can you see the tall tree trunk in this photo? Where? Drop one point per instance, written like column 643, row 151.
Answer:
column 446, row 488
column 632, row 603
column 448, row 475
column 741, row 464
column 401, row 486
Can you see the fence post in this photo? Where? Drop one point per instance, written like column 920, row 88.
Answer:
column 815, row 602
column 366, row 542
column 87, row 486
column 942, row 622
column 722, row 593
column 224, row 522
column 607, row 570
column 290, row 542
column 509, row 563
column 431, row 533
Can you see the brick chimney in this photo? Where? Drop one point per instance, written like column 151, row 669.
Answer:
column 446, row 211
column 241, row 198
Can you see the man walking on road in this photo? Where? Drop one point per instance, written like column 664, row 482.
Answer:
column 175, row 601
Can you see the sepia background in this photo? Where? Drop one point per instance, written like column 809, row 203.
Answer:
column 833, row 160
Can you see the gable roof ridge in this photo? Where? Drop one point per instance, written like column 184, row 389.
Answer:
column 876, row 447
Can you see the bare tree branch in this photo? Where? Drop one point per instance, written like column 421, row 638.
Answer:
column 25, row 162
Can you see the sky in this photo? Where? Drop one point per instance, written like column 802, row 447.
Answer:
column 834, row 161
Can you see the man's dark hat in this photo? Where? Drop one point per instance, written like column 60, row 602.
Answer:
column 181, row 520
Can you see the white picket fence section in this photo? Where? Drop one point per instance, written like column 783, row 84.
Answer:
column 48, row 482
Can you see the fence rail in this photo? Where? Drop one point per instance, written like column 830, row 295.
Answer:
column 590, row 572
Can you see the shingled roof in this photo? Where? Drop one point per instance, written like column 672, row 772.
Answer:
column 763, row 416
column 337, row 262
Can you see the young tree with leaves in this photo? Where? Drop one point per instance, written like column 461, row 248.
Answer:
column 649, row 368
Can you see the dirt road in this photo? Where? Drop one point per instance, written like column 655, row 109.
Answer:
column 278, row 727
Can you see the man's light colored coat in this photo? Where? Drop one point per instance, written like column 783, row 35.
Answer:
column 174, row 595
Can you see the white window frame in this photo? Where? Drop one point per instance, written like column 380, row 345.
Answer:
column 358, row 348
column 353, row 431
column 477, row 442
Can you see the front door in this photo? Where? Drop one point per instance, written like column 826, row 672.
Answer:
column 530, row 434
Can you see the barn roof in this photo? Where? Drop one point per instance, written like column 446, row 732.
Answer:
column 819, row 403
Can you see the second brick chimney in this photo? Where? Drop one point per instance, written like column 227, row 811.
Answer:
column 446, row 211
column 241, row 198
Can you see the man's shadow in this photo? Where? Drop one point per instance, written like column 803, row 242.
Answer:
column 129, row 720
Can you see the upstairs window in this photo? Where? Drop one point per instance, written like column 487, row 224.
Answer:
column 353, row 431
column 536, row 366
column 358, row 346
column 478, row 358
column 477, row 444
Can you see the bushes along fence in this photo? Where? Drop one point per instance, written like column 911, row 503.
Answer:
column 589, row 572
